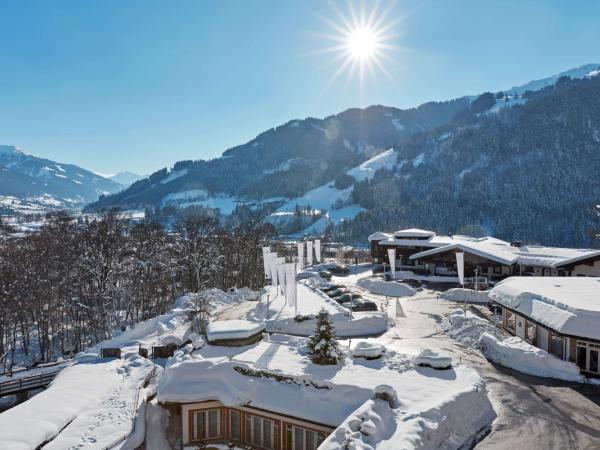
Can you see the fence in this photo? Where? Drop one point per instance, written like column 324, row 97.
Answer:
column 22, row 384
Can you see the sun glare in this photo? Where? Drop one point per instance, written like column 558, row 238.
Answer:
column 362, row 43
column 361, row 40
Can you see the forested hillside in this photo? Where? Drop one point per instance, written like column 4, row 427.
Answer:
column 529, row 172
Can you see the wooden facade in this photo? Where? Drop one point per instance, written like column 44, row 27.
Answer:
column 584, row 352
column 212, row 422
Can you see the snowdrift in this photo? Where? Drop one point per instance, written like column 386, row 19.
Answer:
column 517, row 354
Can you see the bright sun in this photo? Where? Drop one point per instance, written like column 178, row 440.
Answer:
column 362, row 43
column 361, row 40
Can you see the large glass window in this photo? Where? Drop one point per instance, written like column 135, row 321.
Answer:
column 510, row 320
column 262, row 432
column 582, row 357
column 557, row 346
column 235, row 432
column 206, row 424
column 299, row 438
column 530, row 333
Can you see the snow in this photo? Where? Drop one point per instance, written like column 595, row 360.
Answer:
column 467, row 330
column 366, row 349
column 432, row 359
column 507, row 102
column 366, row 170
column 398, row 125
column 93, row 398
column 232, row 329
column 157, row 423
column 282, row 317
column 388, row 288
column 568, row 305
column 173, row 175
column 536, row 85
column 418, row 160
column 517, row 354
column 465, row 295
column 385, row 403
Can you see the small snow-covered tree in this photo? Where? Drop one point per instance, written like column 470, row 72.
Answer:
column 322, row 344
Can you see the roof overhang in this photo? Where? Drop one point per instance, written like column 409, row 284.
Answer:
column 467, row 249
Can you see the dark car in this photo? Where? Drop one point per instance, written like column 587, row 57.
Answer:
column 339, row 269
column 360, row 305
column 366, row 305
column 333, row 287
column 347, row 297
column 337, row 292
column 325, row 274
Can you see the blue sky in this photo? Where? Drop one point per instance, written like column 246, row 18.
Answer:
column 122, row 84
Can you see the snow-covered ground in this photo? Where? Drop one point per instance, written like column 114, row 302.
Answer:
column 282, row 317
column 95, row 401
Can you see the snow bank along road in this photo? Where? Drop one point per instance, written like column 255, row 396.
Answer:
column 536, row 413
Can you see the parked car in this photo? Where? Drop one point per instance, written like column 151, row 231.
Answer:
column 366, row 305
column 339, row 269
column 325, row 274
column 336, row 292
column 348, row 296
column 332, row 287
column 360, row 305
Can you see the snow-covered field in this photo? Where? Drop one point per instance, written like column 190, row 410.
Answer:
column 282, row 316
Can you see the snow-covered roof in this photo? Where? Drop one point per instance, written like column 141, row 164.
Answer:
column 504, row 253
column 232, row 329
column 325, row 394
column 500, row 253
column 569, row 305
column 414, row 233
column 379, row 235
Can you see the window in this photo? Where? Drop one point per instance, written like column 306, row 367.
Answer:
column 530, row 333
column 557, row 346
column 510, row 321
column 235, row 425
column 497, row 269
column 262, row 432
column 299, row 438
column 206, row 424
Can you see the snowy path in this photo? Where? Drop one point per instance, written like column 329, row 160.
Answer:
column 553, row 414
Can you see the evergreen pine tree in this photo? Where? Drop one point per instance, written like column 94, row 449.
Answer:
column 322, row 344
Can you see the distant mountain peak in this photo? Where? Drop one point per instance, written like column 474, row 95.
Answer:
column 126, row 177
column 535, row 85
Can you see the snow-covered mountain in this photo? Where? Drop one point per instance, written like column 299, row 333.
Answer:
column 306, row 175
column 126, row 178
column 32, row 184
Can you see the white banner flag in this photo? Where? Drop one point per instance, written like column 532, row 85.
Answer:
column 273, row 264
column 460, row 266
column 318, row 249
column 309, row 253
column 266, row 263
column 300, row 256
column 392, row 258
column 290, row 284
column 281, row 274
